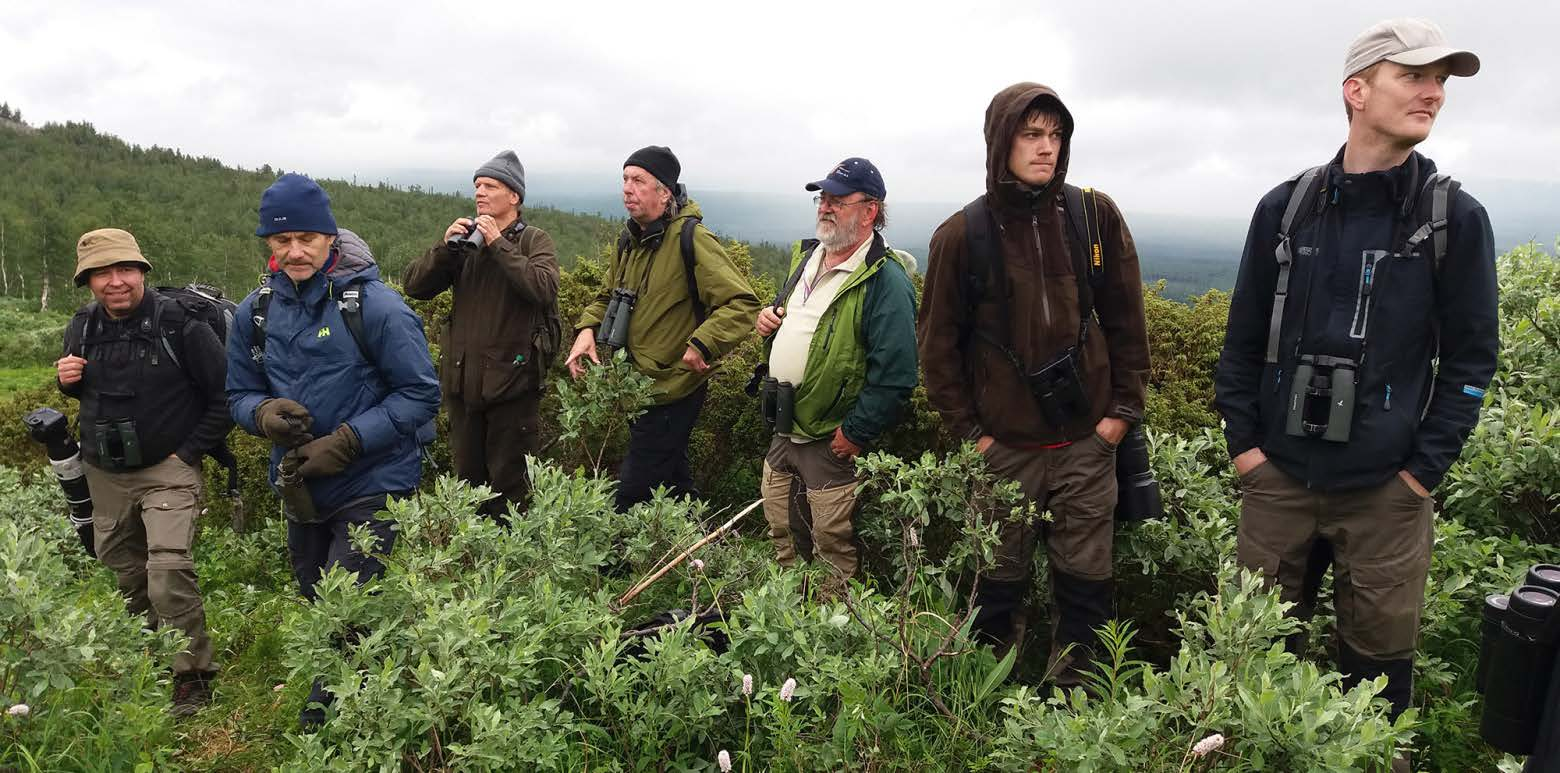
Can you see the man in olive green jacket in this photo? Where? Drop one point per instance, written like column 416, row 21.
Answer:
column 502, row 332
column 841, row 360
column 690, row 308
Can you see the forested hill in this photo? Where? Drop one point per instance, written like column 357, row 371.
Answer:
column 195, row 217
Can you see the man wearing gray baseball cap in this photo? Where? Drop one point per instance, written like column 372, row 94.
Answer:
column 1357, row 276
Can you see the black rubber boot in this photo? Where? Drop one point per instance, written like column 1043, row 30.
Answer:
column 1079, row 607
column 191, row 692
column 999, row 603
column 1400, row 676
column 313, row 716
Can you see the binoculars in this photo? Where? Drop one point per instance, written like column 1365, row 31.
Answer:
column 472, row 240
column 118, row 446
column 1058, row 389
column 1519, row 670
column 293, row 490
column 50, row 427
column 613, row 331
column 1137, row 493
column 777, row 402
column 1321, row 398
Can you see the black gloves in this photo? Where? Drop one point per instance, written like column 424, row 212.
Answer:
column 284, row 422
column 328, row 455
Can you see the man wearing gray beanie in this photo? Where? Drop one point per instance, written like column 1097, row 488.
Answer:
column 1361, row 339
column 502, row 335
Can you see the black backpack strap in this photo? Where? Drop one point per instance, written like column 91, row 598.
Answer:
column 1304, row 198
column 1083, row 219
column 986, row 273
column 258, row 312
column 81, row 322
column 806, row 247
column 351, row 306
column 689, row 260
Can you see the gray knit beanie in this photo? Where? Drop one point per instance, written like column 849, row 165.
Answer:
column 507, row 169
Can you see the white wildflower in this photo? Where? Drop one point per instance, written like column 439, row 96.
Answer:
column 698, row 564
column 724, row 758
column 19, row 710
column 1208, row 745
column 787, row 690
column 747, row 684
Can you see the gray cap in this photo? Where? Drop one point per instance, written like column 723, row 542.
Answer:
column 505, row 168
column 1411, row 42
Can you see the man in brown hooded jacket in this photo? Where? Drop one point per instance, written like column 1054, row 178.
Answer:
column 1035, row 306
column 502, row 331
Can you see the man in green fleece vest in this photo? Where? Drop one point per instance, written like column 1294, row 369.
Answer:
column 684, row 318
column 840, row 350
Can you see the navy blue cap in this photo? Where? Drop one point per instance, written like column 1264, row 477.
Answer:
column 295, row 203
column 850, row 176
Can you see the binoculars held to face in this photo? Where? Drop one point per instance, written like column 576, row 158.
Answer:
column 472, row 241
column 52, row 429
column 613, row 331
column 1519, row 669
column 1321, row 398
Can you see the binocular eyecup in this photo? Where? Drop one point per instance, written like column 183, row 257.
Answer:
column 1519, row 667
column 472, row 240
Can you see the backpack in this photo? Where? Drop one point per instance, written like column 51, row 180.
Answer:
column 198, row 301
column 688, row 258
column 985, row 271
column 1307, row 199
column 351, row 307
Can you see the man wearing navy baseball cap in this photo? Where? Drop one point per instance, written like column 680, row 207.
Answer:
column 1362, row 335
column 829, row 397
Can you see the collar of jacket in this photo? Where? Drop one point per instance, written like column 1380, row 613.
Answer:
column 1398, row 186
column 649, row 235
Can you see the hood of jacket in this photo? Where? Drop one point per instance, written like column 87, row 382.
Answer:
column 1004, row 117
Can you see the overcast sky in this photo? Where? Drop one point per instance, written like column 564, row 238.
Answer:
column 1180, row 107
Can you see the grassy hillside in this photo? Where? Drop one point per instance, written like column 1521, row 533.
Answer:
column 195, row 217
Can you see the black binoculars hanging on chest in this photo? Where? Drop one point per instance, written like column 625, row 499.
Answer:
column 1321, row 398
column 613, row 331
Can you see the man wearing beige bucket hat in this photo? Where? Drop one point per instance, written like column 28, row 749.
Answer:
column 1345, row 406
column 150, row 378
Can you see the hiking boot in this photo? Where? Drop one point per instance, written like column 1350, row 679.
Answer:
column 191, row 692
column 313, row 714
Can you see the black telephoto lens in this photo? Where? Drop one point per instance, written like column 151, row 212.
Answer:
column 1519, row 667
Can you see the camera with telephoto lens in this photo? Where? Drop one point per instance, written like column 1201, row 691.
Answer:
column 1137, row 493
column 52, row 429
column 1519, row 670
column 1058, row 389
column 613, row 331
column 777, row 403
column 1321, row 398
column 472, row 240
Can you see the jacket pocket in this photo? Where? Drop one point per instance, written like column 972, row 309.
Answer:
column 506, row 376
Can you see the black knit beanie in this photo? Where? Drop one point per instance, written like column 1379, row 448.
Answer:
column 659, row 162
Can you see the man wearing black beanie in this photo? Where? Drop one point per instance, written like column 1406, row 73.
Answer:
column 691, row 306
column 503, row 331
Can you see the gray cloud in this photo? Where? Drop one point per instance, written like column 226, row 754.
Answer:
column 1182, row 108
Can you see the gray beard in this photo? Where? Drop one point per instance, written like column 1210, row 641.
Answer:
column 834, row 237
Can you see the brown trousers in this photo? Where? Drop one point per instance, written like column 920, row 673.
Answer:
column 489, row 447
column 144, row 524
column 1381, row 540
column 1077, row 483
column 810, row 503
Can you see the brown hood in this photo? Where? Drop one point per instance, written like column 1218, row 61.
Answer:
column 1007, row 108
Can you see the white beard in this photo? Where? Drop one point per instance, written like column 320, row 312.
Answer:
column 834, row 236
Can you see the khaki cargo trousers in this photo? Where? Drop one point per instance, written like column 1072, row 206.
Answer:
column 1381, row 540
column 810, row 503
column 143, row 522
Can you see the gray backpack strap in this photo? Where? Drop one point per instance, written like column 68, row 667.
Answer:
column 1439, row 190
column 1305, row 188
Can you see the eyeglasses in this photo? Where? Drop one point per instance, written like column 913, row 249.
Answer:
column 834, row 203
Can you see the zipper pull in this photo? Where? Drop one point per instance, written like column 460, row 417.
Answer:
column 1386, row 405
column 1278, row 376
